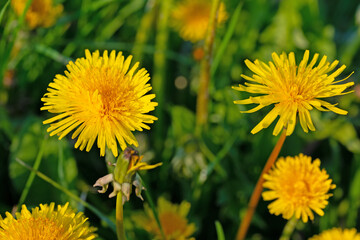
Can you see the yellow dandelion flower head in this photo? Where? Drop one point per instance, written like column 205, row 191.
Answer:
column 337, row 234
column 298, row 187
column 46, row 223
column 172, row 218
column 295, row 90
column 102, row 99
column 41, row 13
column 191, row 18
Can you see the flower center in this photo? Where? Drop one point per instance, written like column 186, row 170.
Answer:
column 294, row 93
column 38, row 6
column 172, row 223
column 298, row 192
column 198, row 13
column 111, row 92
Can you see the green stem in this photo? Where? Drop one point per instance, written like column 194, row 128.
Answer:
column 152, row 206
column 203, row 94
column 158, row 80
column 120, row 173
column 255, row 196
column 289, row 229
column 214, row 165
column 61, row 172
column 225, row 42
column 6, row 55
column 32, row 174
column 143, row 33
column 70, row 194
column 2, row 12
column 120, row 217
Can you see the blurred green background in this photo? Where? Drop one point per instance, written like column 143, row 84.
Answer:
column 217, row 171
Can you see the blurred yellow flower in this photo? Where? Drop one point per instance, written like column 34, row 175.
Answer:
column 294, row 90
column 46, row 223
column 337, row 234
column 101, row 98
column 172, row 218
column 191, row 18
column 298, row 187
column 41, row 13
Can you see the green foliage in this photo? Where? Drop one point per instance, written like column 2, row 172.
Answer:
column 57, row 157
column 215, row 170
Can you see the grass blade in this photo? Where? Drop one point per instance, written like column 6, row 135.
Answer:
column 32, row 174
column 8, row 49
column 152, row 206
column 70, row 194
column 224, row 43
column 219, row 231
column 2, row 12
column 52, row 54
column 159, row 76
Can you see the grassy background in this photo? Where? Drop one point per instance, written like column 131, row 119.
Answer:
column 215, row 172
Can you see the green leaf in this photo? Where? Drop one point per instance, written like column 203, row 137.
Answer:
column 3, row 10
column 346, row 135
column 225, row 42
column 219, row 231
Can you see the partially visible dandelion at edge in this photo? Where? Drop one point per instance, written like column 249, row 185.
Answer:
column 101, row 98
column 337, row 234
column 172, row 218
column 298, row 186
column 295, row 90
column 42, row 13
column 46, row 222
column 191, row 18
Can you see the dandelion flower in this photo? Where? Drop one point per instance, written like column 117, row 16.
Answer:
column 41, row 13
column 102, row 99
column 295, row 90
column 172, row 218
column 337, row 234
column 191, row 18
column 298, row 187
column 46, row 223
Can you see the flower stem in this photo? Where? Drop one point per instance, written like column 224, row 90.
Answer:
column 152, row 206
column 120, row 218
column 119, row 176
column 159, row 76
column 6, row 52
column 144, row 31
column 244, row 226
column 289, row 229
column 32, row 174
column 97, row 212
column 203, row 94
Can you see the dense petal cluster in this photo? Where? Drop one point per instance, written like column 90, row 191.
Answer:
column 46, row 223
column 172, row 218
column 295, row 90
column 102, row 99
column 191, row 18
column 298, row 187
column 41, row 13
column 337, row 234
